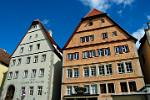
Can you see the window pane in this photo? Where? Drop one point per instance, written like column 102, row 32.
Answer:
column 124, row 87
column 132, row 86
column 93, row 71
column 101, row 70
column 111, row 88
column 76, row 72
column 103, row 88
column 86, row 72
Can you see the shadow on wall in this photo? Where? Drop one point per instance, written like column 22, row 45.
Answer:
column 57, row 81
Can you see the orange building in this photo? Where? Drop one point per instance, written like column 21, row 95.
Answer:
column 100, row 59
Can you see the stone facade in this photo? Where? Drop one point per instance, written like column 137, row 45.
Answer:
column 35, row 67
column 102, row 58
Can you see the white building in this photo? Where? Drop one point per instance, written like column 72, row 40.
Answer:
column 35, row 67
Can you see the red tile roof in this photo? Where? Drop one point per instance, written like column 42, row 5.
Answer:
column 94, row 12
column 4, row 57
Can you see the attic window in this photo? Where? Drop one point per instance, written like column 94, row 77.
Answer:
column 114, row 33
column 90, row 23
column 34, row 26
column 102, row 20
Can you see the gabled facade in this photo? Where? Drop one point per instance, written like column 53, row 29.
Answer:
column 4, row 63
column 99, row 59
column 144, row 54
column 35, row 67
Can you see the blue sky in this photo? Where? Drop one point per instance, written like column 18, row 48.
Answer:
column 62, row 16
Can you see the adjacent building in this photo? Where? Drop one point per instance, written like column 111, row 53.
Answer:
column 144, row 54
column 35, row 67
column 100, row 59
column 4, row 63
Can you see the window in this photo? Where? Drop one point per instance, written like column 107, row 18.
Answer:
column 132, row 86
column 43, row 58
column 129, row 67
column 70, row 56
column 19, row 61
column 101, row 70
column 124, row 86
column 21, row 49
column 114, row 33
column 107, row 51
column 111, row 88
column 69, row 90
column 41, row 73
column 76, row 55
column 25, row 74
column 28, row 60
column 16, row 74
column 86, row 72
column 121, row 68
column 38, row 46
column 30, row 37
column 121, row 49
column 104, row 35
column 31, row 91
column 13, row 62
column 35, row 60
column 87, row 89
column 104, row 52
column 73, row 56
column 69, row 73
column 93, row 71
column 74, row 89
column 33, row 74
column 30, row 47
column 23, row 93
column 90, row 23
column 84, row 54
column 40, row 90
column 102, row 20
column 109, row 69
column 10, row 74
column 76, row 72
column 91, row 37
column 93, row 89
column 91, row 53
column 103, row 88
column 87, row 38
column 100, row 52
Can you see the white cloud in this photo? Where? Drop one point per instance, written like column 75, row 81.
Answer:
column 119, row 12
column 45, row 21
column 148, row 17
column 105, row 4
column 138, row 35
column 124, row 2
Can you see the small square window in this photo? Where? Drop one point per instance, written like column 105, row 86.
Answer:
column 104, row 35
column 21, row 49
column 114, row 33
column 38, row 46
column 30, row 47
